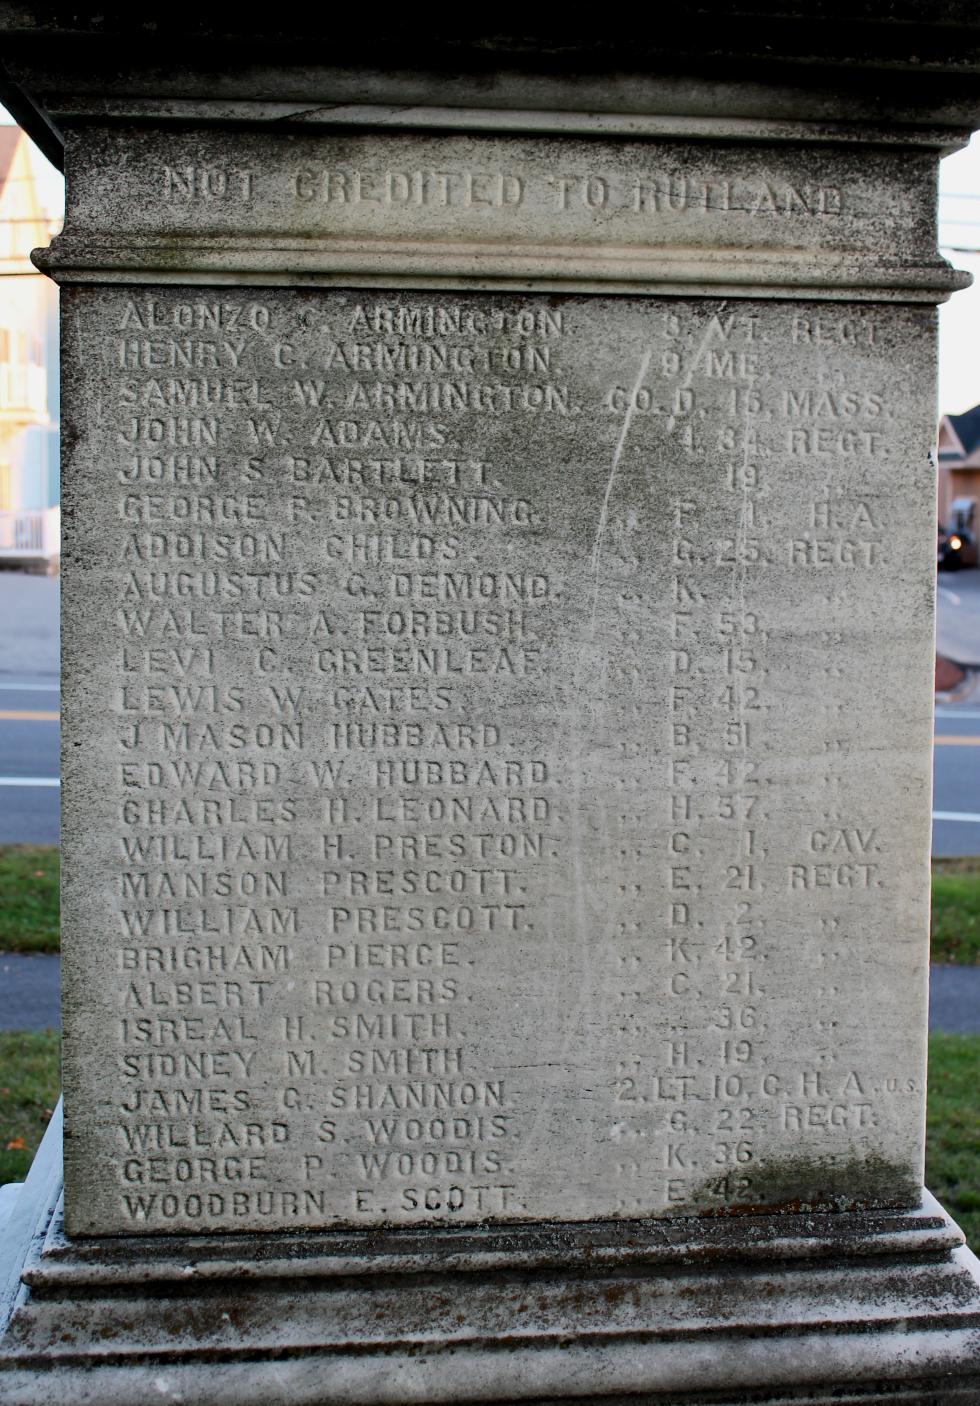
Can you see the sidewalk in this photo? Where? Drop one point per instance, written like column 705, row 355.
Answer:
column 29, row 628
column 30, row 992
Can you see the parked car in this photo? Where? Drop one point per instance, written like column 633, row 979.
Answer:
column 951, row 549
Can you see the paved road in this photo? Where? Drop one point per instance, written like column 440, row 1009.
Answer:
column 29, row 732
column 29, row 636
column 30, row 992
column 954, row 999
column 958, row 616
column 956, row 775
column 956, row 780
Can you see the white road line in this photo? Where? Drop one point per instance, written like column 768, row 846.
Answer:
column 957, row 713
column 30, row 781
column 969, row 817
column 31, row 687
column 950, row 595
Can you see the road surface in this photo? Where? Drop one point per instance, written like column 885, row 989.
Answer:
column 30, row 799
column 30, row 992
column 954, row 999
column 956, row 798
column 956, row 780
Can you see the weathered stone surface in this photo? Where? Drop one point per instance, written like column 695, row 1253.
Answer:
column 499, row 807
column 464, row 210
column 498, row 723
column 850, row 1307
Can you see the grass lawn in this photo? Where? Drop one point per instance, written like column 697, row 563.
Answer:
column 29, row 899
column 29, row 1085
column 953, row 1131
column 956, row 911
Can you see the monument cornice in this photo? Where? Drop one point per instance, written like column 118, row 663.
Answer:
column 149, row 202
column 539, row 268
column 826, row 73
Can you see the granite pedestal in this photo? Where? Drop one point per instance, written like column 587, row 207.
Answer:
column 499, row 514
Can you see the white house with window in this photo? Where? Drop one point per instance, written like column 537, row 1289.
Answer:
column 29, row 447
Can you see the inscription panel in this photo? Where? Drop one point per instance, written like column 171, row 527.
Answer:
column 500, row 193
column 489, row 757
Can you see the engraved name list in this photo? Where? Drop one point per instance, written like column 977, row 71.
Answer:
column 462, row 672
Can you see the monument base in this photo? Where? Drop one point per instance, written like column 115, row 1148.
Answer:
column 848, row 1307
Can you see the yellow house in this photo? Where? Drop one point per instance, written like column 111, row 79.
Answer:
column 29, row 488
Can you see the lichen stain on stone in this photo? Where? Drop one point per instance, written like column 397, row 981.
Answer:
column 805, row 1184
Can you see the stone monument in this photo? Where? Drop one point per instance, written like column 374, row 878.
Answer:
column 498, row 572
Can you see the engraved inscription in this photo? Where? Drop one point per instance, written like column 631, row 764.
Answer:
column 501, row 197
column 487, row 812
